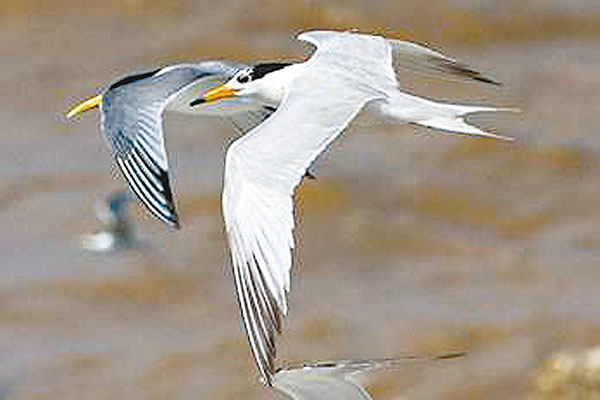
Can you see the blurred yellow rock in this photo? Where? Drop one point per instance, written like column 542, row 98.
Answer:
column 569, row 375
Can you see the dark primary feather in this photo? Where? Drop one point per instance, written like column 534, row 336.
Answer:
column 133, row 78
column 150, row 183
column 259, row 310
column 460, row 69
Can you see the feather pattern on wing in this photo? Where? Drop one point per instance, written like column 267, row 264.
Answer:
column 131, row 119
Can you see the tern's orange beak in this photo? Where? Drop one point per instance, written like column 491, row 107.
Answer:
column 218, row 93
column 86, row 105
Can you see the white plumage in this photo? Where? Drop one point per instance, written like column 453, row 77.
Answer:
column 317, row 100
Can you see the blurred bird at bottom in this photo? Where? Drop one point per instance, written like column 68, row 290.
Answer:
column 117, row 232
column 335, row 380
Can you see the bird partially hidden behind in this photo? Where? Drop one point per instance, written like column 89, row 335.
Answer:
column 292, row 113
column 336, row 380
column 117, row 232
column 131, row 112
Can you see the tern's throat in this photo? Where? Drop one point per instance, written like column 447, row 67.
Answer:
column 270, row 93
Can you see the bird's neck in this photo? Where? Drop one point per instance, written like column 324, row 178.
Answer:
column 273, row 86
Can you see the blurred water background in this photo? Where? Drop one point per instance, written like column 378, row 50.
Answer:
column 411, row 242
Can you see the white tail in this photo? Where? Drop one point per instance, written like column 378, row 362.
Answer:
column 452, row 120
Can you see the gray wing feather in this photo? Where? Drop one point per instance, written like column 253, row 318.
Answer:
column 419, row 59
column 132, row 111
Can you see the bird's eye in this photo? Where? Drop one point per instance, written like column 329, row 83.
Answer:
column 243, row 78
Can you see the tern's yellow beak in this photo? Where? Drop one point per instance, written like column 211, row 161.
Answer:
column 86, row 105
column 218, row 93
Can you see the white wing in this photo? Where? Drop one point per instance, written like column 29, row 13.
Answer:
column 320, row 381
column 415, row 58
column 263, row 168
column 336, row 380
column 332, row 380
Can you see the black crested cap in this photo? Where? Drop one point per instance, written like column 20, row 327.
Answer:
column 260, row 70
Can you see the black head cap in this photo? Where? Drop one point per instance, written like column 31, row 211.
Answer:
column 260, row 70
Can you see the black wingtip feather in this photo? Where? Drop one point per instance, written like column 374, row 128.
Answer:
column 164, row 179
column 485, row 79
column 133, row 78
column 461, row 69
column 169, row 213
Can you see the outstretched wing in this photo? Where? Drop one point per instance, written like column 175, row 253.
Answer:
column 336, row 379
column 332, row 380
column 316, row 382
column 132, row 110
column 264, row 167
column 415, row 58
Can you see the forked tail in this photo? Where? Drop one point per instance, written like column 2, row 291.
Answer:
column 452, row 119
